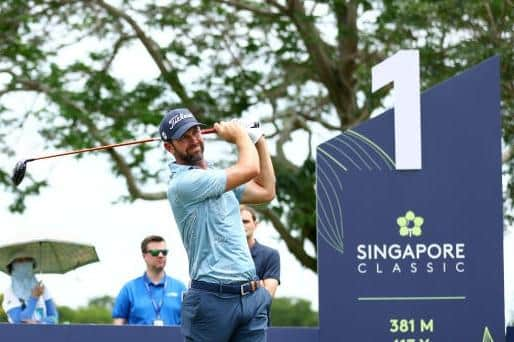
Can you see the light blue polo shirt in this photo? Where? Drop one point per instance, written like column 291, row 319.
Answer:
column 140, row 301
column 209, row 222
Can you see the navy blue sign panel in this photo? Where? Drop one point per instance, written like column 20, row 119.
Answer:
column 411, row 256
column 126, row 333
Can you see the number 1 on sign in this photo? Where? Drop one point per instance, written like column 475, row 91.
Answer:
column 403, row 70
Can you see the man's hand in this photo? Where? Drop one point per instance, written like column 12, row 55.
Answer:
column 230, row 131
column 271, row 285
column 255, row 133
column 38, row 290
column 119, row 321
column 247, row 166
column 30, row 321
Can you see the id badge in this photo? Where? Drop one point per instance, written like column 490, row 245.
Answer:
column 158, row 322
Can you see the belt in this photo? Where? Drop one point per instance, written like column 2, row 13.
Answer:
column 232, row 288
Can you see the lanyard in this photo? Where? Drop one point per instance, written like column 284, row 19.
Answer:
column 157, row 305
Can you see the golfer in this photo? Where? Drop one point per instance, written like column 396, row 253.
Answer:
column 225, row 301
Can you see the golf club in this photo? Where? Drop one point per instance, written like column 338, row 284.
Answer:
column 21, row 167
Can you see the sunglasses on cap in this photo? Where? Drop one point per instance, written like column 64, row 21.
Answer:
column 156, row 252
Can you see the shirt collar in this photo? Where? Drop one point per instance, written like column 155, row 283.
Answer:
column 149, row 282
column 255, row 248
column 177, row 168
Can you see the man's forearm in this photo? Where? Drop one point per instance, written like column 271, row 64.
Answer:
column 247, row 166
column 247, row 158
column 271, row 285
column 119, row 321
column 266, row 177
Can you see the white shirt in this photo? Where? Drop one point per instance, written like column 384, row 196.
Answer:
column 11, row 301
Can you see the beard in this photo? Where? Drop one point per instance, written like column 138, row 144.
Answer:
column 159, row 268
column 188, row 157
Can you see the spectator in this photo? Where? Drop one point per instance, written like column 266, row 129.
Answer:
column 266, row 259
column 27, row 300
column 153, row 298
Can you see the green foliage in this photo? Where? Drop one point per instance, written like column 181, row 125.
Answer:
column 98, row 310
column 88, row 314
column 106, row 302
column 3, row 315
column 300, row 197
column 293, row 312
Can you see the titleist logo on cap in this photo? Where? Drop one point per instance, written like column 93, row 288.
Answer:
column 177, row 118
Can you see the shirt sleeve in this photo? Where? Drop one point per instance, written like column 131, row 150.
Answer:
column 46, row 294
column 183, row 290
column 179, row 288
column 10, row 300
column 13, row 307
column 121, row 308
column 197, row 185
column 272, row 266
column 181, row 294
column 239, row 192
column 17, row 315
column 52, row 316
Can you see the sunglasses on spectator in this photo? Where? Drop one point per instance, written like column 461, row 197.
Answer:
column 246, row 221
column 156, row 252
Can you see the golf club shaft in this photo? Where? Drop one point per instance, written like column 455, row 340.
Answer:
column 105, row 147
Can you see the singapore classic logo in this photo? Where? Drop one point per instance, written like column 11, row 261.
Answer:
column 410, row 255
column 410, row 224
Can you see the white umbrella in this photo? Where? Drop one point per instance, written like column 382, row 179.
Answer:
column 52, row 256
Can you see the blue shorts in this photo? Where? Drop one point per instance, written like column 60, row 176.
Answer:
column 213, row 316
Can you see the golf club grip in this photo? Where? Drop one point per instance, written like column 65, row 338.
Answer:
column 248, row 125
column 208, row 130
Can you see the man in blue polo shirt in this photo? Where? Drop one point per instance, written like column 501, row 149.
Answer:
column 153, row 298
column 225, row 302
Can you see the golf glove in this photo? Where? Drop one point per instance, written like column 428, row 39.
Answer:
column 253, row 132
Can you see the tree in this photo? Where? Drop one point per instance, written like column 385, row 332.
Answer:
column 304, row 66
column 3, row 315
column 90, row 314
column 105, row 302
column 293, row 312
column 98, row 310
